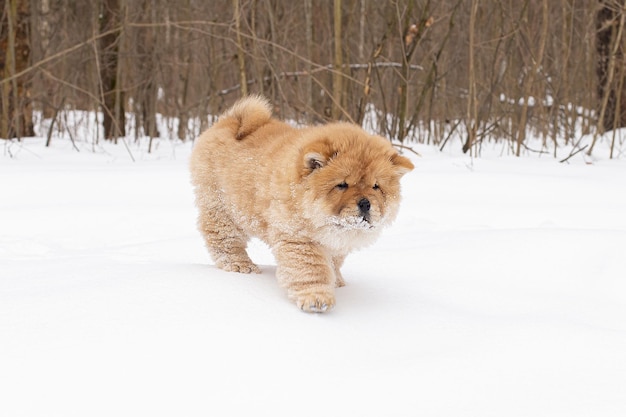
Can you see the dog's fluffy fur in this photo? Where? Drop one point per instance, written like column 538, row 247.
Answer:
column 313, row 194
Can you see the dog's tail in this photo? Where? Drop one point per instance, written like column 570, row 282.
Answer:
column 250, row 113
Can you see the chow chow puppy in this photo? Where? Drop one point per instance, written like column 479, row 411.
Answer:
column 313, row 194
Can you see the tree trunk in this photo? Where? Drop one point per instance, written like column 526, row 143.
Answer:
column 308, row 28
column 529, row 80
column 112, row 96
column 610, row 54
column 241, row 60
column 338, row 63
column 472, row 106
column 15, row 95
column 146, row 96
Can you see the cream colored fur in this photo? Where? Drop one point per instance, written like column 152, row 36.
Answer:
column 257, row 176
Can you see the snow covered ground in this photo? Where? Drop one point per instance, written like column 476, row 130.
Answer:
column 499, row 291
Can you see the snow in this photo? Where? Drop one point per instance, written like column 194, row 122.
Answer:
column 499, row 291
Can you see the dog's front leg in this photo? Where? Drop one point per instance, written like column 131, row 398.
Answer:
column 305, row 270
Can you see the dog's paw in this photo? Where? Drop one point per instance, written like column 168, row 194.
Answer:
column 316, row 302
column 244, row 267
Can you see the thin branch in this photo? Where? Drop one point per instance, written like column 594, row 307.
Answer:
column 574, row 153
column 408, row 148
column 295, row 74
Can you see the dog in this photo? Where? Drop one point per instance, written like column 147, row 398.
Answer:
column 313, row 194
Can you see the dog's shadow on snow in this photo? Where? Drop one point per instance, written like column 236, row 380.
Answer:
column 357, row 295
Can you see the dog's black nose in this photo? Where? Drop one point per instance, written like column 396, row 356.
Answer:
column 364, row 205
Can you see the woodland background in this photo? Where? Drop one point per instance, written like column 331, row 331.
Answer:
column 412, row 70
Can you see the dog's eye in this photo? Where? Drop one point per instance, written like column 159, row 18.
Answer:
column 342, row 186
column 376, row 187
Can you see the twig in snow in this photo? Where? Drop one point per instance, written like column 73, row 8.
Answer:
column 574, row 153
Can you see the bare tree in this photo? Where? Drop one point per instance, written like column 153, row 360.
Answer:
column 533, row 64
column 146, row 90
column 609, row 45
column 610, row 68
column 472, row 106
column 338, row 61
column 243, row 80
column 308, row 27
column 114, row 120
column 16, row 92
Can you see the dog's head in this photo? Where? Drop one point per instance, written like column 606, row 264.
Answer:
column 351, row 182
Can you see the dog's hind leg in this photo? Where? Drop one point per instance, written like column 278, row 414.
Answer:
column 337, row 263
column 225, row 241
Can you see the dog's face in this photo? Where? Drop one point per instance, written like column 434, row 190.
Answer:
column 351, row 182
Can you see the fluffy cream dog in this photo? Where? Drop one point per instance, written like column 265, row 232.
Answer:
column 312, row 194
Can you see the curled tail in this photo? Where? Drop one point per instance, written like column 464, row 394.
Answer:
column 250, row 113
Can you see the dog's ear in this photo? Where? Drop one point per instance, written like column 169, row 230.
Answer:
column 401, row 164
column 314, row 160
column 316, row 155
